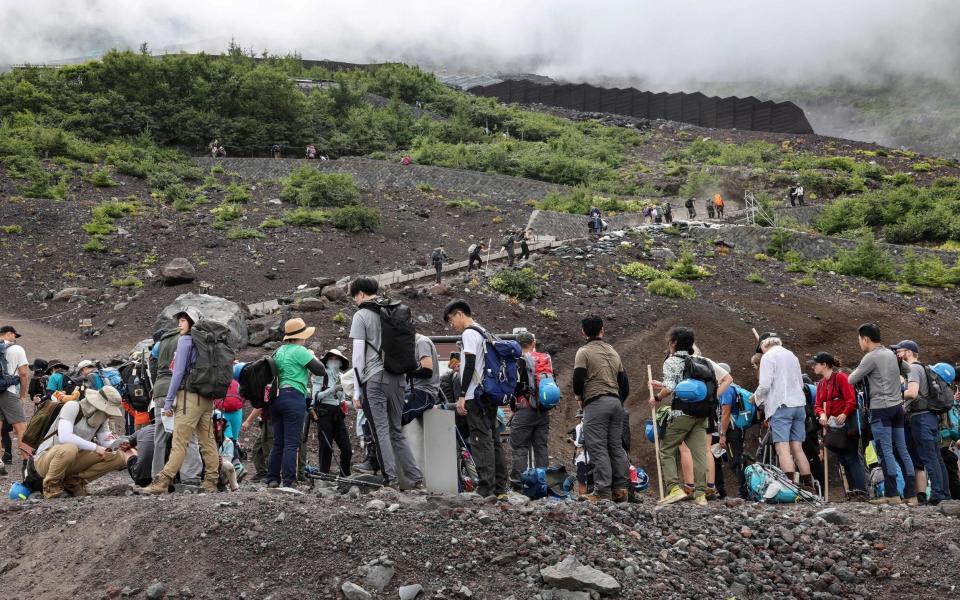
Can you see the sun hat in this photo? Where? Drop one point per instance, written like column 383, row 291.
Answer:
column 106, row 399
column 296, row 329
column 192, row 314
column 344, row 361
column 83, row 364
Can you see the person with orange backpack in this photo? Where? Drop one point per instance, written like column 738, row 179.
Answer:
column 530, row 426
column 718, row 205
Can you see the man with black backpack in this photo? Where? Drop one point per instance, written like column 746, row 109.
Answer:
column 424, row 388
column 691, row 208
column 437, row 258
column 508, row 245
column 478, row 407
column 923, row 425
column 695, row 383
column 384, row 350
column 530, row 426
column 473, row 255
column 15, row 380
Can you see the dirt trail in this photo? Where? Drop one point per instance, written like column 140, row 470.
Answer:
column 45, row 341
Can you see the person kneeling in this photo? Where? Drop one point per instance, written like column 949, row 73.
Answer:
column 69, row 458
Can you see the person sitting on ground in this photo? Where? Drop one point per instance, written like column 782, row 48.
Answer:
column 837, row 402
column 601, row 385
column 74, row 451
column 140, row 465
column 784, row 404
column 881, row 372
column 530, row 427
column 230, row 466
column 473, row 255
column 329, row 406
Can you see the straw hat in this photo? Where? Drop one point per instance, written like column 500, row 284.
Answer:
column 344, row 362
column 296, row 329
column 107, row 400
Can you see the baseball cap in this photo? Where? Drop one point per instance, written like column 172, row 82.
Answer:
column 763, row 336
column 906, row 345
column 9, row 329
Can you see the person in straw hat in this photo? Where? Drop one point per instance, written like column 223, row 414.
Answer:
column 74, row 451
column 329, row 409
column 295, row 363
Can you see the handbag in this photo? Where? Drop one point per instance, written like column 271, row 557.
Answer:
column 836, row 438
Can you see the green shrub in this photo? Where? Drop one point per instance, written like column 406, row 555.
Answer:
column 696, row 183
column 101, row 178
column 162, row 179
column 271, row 223
column 671, row 288
column 94, row 244
column 866, row 260
column 424, row 187
column 523, row 284
column 129, row 281
column 237, row 194
column 467, row 205
column 906, row 289
column 309, row 187
column 779, row 244
column 685, row 267
column 580, row 200
column 356, row 218
column 216, row 170
column 922, row 167
column 243, row 233
column 928, row 271
column 549, row 313
column 900, row 179
column 12, row 229
column 639, row 270
column 341, row 318
column 755, row 278
column 761, row 257
column 306, row 216
column 227, row 212
column 808, row 281
column 176, row 194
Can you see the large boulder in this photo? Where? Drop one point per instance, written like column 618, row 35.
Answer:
column 178, row 270
column 216, row 309
column 335, row 293
column 573, row 576
column 67, row 294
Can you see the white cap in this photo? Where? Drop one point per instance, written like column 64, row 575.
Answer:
column 86, row 363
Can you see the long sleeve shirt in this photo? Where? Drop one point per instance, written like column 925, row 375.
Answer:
column 879, row 368
column 781, row 381
column 835, row 396
column 182, row 361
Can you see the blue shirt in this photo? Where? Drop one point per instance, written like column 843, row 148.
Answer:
column 55, row 383
column 729, row 398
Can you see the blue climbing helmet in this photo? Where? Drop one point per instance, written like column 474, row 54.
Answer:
column 642, row 482
column 549, row 395
column 18, row 491
column 691, row 390
column 237, row 368
column 945, row 372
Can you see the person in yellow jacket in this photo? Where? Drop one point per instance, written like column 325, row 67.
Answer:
column 718, row 205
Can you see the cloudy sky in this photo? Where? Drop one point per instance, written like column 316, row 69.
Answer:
column 666, row 43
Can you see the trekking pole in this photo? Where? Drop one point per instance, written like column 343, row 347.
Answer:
column 486, row 267
column 755, row 334
column 656, row 434
column 826, row 476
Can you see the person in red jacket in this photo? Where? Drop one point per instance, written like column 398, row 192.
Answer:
column 836, row 405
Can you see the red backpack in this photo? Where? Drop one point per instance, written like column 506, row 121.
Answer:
column 542, row 367
column 232, row 401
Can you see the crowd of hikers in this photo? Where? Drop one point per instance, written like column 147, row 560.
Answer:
column 173, row 413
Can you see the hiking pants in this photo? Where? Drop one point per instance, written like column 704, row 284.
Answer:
column 286, row 416
column 953, row 470
column 486, row 448
column 852, row 466
column 530, row 427
column 692, row 213
column 603, row 421
column 439, row 269
column 735, row 453
column 5, row 432
column 383, row 406
column 925, row 438
column 332, row 429
column 193, row 418
column 192, row 468
column 691, row 431
column 719, row 210
column 261, row 449
column 524, row 250
column 65, row 462
column 510, row 256
column 887, row 427
column 474, row 259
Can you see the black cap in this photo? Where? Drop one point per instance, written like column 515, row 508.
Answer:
column 824, row 358
column 9, row 329
column 764, row 336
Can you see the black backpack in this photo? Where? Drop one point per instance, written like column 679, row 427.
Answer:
column 939, row 396
column 256, row 377
column 689, row 203
column 697, row 367
column 139, row 385
column 437, row 257
column 398, row 334
column 6, row 381
column 211, row 373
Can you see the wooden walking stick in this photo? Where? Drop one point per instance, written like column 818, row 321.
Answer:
column 755, row 334
column 656, row 433
column 826, row 477
column 486, row 267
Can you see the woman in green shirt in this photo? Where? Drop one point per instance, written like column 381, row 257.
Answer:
column 287, row 413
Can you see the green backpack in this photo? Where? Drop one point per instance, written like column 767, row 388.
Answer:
column 212, row 371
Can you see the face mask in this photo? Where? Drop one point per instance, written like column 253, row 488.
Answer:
column 333, row 364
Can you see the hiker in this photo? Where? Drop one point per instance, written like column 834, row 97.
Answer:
column 437, row 257
column 647, row 215
column 691, row 208
column 711, row 211
column 792, row 194
column 481, row 415
column 57, row 378
column 667, row 213
column 780, row 395
column 718, row 205
column 276, row 151
column 231, row 469
column 329, row 410
column 525, row 238
column 89, row 375
column 688, row 416
column 73, row 453
column 473, row 255
column 880, row 372
column 799, row 194
column 162, row 355
column 217, row 149
column 378, row 391
column 657, row 217
column 735, row 418
column 836, row 407
column 530, row 427
column 582, row 459
column 140, row 465
column 17, row 375
column 601, row 386
column 922, row 427
column 424, row 389
column 595, row 222
column 38, row 380
column 231, row 407
column 450, row 381
column 311, row 153
column 263, row 445
column 193, row 414
column 507, row 244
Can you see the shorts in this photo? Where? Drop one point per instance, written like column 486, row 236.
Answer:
column 787, row 424
column 11, row 409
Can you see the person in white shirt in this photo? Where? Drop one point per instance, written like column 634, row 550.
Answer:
column 18, row 373
column 74, row 451
column 783, row 402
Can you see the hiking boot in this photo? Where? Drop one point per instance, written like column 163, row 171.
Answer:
column 688, row 490
column 912, row 501
column 7, row 458
column 210, row 488
column 75, row 486
column 711, row 493
column 273, row 484
column 257, row 478
column 53, row 489
column 159, row 485
column 593, row 498
column 417, row 486
column 502, row 497
column 676, row 495
column 365, row 467
column 700, row 500
column 857, row 496
column 3, row 468
column 620, row 495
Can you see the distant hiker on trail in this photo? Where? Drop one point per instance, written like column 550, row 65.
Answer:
column 601, row 386
column 379, row 392
column 880, row 371
column 508, row 244
column 481, row 414
column 782, row 399
column 711, row 212
column 667, row 213
column 695, row 384
column 474, row 253
column 525, row 238
column 530, row 427
column 691, row 208
column 799, row 194
column 836, row 408
column 647, row 215
column 276, row 151
column 595, row 221
column 74, row 451
column 17, row 375
column 311, row 152
column 718, row 205
column 329, row 410
column 193, row 413
column 437, row 258
column 657, row 216
column 923, row 427
column 217, row 150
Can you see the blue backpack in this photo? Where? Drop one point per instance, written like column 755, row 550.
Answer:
column 744, row 411
column 542, row 482
column 950, row 424
column 500, row 374
column 766, row 483
column 112, row 378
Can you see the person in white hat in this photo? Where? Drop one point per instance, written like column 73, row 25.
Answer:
column 329, row 409
column 74, row 451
